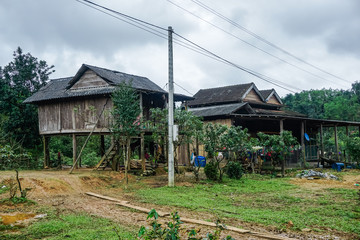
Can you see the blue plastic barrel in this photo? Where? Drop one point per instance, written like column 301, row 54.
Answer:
column 337, row 166
column 200, row 161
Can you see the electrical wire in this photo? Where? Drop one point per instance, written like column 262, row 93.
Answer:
column 252, row 45
column 206, row 7
column 184, row 89
column 134, row 23
column 183, row 42
column 267, row 79
column 124, row 15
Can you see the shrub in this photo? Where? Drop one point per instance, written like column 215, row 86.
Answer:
column 234, row 170
column 171, row 231
column 211, row 171
column 11, row 158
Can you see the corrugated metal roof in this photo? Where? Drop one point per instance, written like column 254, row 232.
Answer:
column 218, row 110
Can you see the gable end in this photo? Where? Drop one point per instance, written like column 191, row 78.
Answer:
column 89, row 79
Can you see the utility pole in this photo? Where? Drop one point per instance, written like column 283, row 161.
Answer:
column 171, row 112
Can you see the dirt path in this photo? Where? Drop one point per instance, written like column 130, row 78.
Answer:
column 66, row 193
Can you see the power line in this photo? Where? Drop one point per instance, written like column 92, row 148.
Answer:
column 252, row 45
column 199, row 3
column 140, row 25
column 267, row 79
column 183, row 42
column 124, row 15
column 184, row 89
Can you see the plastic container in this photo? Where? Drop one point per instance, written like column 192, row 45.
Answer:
column 337, row 166
column 200, row 161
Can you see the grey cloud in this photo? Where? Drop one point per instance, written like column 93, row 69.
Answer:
column 69, row 24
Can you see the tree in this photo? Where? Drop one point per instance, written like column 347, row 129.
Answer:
column 158, row 124
column 213, row 141
column 311, row 102
column 126, row 114
column 353, row 148
column 279, row 145
column 19, row 80
column 236, row 141
column 189, row 125
column 190, row 128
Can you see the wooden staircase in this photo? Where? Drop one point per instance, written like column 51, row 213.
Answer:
column 108, row 158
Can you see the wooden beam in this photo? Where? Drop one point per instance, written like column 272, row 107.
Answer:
column 102, row 145
column 347, row 159
column 283, row 160
column 303, row 142
column 105, row 155
column 336, row 143
column 281, row 125
column 322, row 149
column 74, row 149
column 189, row 220
column 46, row 152
column 142, row 152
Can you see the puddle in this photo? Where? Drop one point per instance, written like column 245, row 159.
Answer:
column 8, row 219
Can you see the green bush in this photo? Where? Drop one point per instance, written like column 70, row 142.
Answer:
column 11, row 158
column 234, row 170
column 211, row 171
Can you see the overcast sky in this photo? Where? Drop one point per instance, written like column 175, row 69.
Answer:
column 66, row 33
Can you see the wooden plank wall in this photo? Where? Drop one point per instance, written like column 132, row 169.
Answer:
column 226, row 122
column 75, row 117
column 273, row 100
column 252, row 97
column 89, row 79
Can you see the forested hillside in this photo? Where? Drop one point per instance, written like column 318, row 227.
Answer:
column 327, row 103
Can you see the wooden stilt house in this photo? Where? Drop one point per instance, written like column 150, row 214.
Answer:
column 81, row 104
column 263, row 111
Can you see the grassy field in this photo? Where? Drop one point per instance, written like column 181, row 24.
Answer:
column 71, row 226
column 268, row 201
column 321, row 207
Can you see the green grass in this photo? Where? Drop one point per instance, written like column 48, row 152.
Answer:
column 3, row 189
column 72, row 227
column 268, row 201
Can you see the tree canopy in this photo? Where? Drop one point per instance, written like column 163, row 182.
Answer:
column 327, row 103
column 19, row 80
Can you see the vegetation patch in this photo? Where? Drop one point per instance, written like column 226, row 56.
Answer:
column 72, row 227
column 267, row 201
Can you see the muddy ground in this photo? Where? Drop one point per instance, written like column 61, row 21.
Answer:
column 66, row 193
